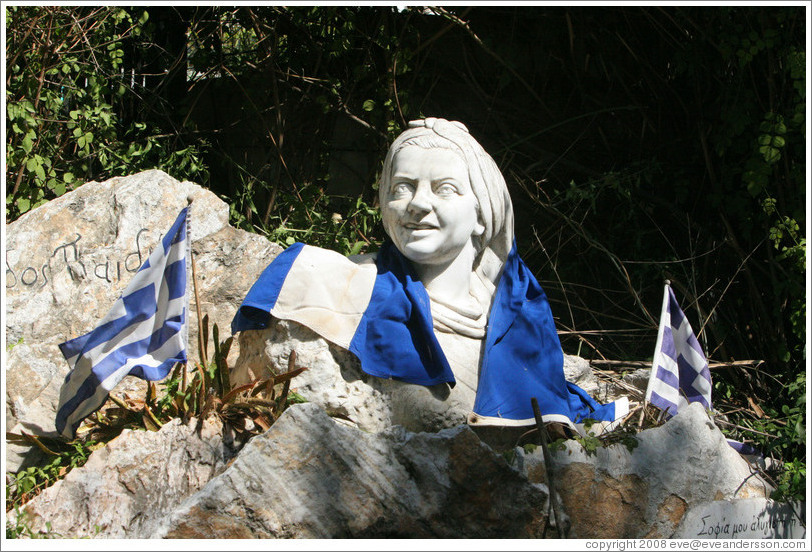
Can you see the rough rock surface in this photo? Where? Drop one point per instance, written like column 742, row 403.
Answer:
column 645, row 492
column 69, row 260
column 127, row 487
column 335, row 381
column 311, row 477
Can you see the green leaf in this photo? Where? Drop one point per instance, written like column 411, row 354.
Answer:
column 27, row 143
column 369, row 105
column 356, row 248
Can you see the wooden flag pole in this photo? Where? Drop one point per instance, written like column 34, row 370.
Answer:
column 197, row 299
column 548, row 464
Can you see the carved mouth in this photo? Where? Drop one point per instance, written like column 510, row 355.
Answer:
column 419, row 226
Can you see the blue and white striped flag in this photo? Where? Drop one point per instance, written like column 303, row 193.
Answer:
column 679, row 371
column 144, row 334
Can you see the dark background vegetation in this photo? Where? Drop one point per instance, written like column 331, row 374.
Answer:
column 639, row 143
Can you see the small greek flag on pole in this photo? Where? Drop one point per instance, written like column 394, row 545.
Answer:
column 679, row 371
column 144, row 334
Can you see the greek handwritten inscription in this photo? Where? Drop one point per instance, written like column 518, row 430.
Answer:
column 69, row 258
column 745, row 520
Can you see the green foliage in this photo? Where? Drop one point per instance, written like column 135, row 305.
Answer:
column 27, row 483
column 10, row 346
column 311, row 220
column 590, row 443
column 791, row 481
column 21, row 528
column 318, row 66
column 67, row 81
column 295, row 398
column 779, row 432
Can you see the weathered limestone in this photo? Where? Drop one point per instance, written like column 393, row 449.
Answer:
column 647, row 491
column 313, row 476
column 310, row 477
column 127, row 487
column 69, row 260
column 335, row 381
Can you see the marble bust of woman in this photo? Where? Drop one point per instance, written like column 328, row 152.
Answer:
column 446, row 315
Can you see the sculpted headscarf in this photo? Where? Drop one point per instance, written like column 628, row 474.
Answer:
column 382, row 313
column 487, row 183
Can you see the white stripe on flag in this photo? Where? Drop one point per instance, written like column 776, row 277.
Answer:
column 144, row 330
column 128, row 336
column 671, row 388
column 92, row 403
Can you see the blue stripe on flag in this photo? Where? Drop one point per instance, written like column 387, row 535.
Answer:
column 675, row 312
column 668, row 348
column 143, row 334
column 139, row 305
column 667, row 377
column 688, row 375
column 175, row 278
column 663, row 404
column 73, row 347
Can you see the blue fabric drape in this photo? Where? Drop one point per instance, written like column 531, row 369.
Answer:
column 395, row 338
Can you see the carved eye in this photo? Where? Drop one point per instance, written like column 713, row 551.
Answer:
column 446, row 189
column 401, row 189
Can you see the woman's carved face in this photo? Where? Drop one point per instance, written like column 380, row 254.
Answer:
column 430, row 210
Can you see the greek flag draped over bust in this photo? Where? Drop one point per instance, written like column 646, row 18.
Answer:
column 144, row 334
column 379, row 310
column 679, row 371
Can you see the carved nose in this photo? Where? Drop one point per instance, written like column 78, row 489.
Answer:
column 420, row 202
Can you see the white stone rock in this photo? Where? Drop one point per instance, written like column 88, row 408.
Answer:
column 310, row 477
column 335, row 381
column 127, row 487
column 69, row 260
column 646, row 491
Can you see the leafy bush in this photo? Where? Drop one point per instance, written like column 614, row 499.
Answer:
column 68, row 84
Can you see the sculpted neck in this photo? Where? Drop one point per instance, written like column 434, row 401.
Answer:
column 450, row 282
